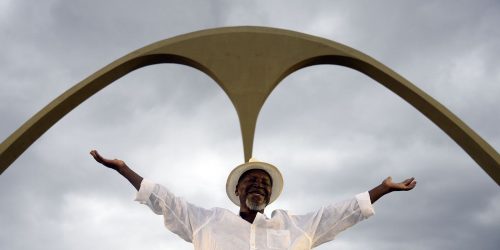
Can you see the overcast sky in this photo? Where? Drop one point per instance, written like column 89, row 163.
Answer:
column 332, row 131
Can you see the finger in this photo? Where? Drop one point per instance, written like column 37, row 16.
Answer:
column 411, row 185
column 408, row 181
column 97, row 156
column 94, row 154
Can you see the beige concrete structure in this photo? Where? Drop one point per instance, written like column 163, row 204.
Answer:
column 248, row 63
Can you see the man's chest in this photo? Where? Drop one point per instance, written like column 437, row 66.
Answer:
column 235, row 233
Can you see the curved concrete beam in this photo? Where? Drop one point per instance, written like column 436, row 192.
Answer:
column 248, row 63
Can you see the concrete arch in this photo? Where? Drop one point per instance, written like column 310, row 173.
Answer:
column 248, row 63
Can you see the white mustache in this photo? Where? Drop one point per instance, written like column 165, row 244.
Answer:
column 257, row 190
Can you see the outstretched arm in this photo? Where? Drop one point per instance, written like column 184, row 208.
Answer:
column 120, row 167
column 388, row 186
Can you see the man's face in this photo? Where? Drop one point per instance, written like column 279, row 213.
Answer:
column 254, row 189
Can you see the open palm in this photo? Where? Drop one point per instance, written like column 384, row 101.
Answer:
column 113, row 164
column 405, row 185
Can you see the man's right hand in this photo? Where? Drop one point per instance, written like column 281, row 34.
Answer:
column 113, row 164
column 120, row 167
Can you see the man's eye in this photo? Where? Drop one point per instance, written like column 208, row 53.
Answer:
column 250, row 180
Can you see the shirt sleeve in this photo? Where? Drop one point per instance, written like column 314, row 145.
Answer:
column 180, row 217
column 323, row 225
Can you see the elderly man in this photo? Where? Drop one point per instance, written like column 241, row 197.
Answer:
column 252, row 186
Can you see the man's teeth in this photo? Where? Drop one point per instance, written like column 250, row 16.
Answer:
column 256, row 192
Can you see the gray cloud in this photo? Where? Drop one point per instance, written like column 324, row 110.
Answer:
column 332, row 131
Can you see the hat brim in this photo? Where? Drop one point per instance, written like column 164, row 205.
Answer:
column 234, row 176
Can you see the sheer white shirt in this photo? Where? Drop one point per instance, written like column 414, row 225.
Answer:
column 221, row 229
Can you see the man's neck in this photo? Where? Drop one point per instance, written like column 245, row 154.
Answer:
column 249, row 215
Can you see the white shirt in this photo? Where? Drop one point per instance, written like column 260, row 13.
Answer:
column 221, row 229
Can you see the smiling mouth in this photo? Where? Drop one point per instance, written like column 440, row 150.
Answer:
column 257, row 191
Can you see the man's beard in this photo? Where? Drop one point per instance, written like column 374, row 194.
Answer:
column 255, row 206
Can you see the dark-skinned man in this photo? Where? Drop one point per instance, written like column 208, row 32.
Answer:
column 252, row 186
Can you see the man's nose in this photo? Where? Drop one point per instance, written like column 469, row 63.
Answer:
column 258, row 183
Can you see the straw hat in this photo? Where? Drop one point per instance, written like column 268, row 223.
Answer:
column 234, row 176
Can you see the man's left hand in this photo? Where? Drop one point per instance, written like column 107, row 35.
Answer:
column 405, row 185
